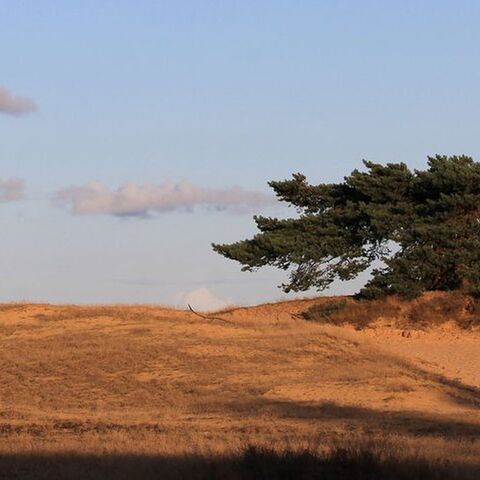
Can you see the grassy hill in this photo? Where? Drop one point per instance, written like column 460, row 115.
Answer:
column 178, row 395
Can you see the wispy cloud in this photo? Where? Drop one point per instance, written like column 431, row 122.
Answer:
column 14, row 105
column 158, row 282
column 133, row 200
column 11, row 190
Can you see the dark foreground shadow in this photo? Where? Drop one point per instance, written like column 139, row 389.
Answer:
column 252, row 463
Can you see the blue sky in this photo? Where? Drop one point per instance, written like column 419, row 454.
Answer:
column 209, row 95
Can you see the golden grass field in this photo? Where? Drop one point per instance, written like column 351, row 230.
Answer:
column 151, row 392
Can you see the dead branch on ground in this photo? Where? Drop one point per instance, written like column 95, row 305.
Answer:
column 207, row 317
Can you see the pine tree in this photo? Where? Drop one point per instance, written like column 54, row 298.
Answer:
column 420, row 230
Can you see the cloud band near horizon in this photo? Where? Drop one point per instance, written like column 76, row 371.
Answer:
column 134, row 200
column 15, row 105
column 11, row 190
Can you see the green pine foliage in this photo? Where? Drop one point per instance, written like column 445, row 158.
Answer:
column 422, row 227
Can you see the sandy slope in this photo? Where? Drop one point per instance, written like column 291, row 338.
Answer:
column 445, row 350
column 75, row 374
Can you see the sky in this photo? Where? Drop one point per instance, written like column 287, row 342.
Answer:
column 133, row 134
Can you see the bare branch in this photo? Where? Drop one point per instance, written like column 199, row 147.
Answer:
column 207, row 317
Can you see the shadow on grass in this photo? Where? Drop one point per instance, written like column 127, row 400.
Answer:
column 391, row 422
column 252, row 463
column 458, row 392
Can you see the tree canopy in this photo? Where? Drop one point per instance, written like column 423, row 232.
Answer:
column 419, row 230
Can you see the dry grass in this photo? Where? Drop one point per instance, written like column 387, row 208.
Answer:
column 368, row 460
column 429, row 310
column 146, row 392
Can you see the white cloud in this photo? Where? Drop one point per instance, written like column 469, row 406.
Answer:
column 131, row 199
column 13, row 105
column 201, row 299
column 12, row 189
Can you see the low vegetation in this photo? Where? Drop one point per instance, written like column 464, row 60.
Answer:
column 426, row 311
column 360, row 461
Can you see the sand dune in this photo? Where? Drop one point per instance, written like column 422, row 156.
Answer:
column 149, row 379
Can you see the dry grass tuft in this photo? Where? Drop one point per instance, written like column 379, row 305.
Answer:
column 360, row 313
